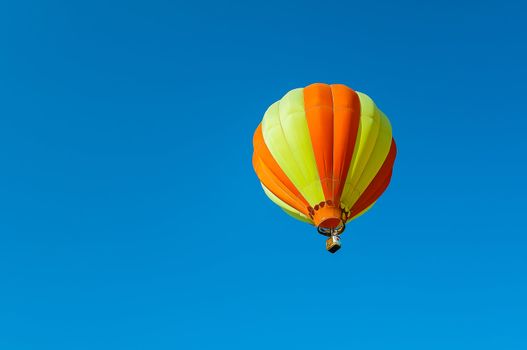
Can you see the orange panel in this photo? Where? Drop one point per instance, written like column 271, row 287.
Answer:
column 319, row 114
column 346, row 118
column 272, row 183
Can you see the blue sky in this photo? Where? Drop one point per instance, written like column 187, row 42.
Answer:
column 131, row 217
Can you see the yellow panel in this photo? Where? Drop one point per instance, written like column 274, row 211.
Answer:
column 286, row 134
column 377, row 157
column 366, row 139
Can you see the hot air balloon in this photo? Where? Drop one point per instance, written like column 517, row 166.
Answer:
column 324, row 154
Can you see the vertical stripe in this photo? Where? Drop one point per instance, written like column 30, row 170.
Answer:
column 346, row 117
column 318, row 104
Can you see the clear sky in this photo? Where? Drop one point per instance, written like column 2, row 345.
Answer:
column 131, row 218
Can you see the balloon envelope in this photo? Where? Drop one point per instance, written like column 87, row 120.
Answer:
column 324, row 154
